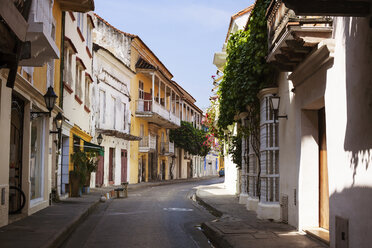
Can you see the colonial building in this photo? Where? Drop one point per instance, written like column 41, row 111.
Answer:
column 232, row 173
column 111, row 111
column 32, row 39
column 325, row 145
column 156, row 104
column 77, row 83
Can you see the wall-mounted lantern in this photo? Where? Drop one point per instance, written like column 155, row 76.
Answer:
column 58, row 120
column 99, row 139
column 274, row 105
column 50, row 98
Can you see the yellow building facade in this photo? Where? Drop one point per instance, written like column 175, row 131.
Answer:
column 155, row 109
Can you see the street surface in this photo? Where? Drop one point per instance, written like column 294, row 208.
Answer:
column 162, row 216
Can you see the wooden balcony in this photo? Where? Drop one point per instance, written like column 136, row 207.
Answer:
column 41, row 34
column 77, row 6
column 330, row 7
column 291, row 38
column 147, row 144
column 154, row 112
column 167, row 148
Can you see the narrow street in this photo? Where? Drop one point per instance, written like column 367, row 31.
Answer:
column 162, row 216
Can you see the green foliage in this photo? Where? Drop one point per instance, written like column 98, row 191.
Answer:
column 235, row 149
column 190, row 139
column 84, row 164
column 246, row 71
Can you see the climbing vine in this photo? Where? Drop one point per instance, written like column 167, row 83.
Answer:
column 191, row 139
column 246, row 71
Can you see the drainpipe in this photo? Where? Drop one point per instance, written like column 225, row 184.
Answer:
column 61, row 88
column 62, row 59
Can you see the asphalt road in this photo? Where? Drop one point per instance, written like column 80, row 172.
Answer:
column 162, row 216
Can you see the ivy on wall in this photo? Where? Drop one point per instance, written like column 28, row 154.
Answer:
column 246, row 71
column 191, row 139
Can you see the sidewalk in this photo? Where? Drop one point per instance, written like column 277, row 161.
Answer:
column 238, row 227
column 52, row 225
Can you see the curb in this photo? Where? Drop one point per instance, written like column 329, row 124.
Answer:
column 167, row 182
column 63, row 234
column 215, row 236
column 214, row 211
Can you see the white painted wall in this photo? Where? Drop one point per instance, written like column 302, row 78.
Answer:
column 344, row 87
column 72, row 109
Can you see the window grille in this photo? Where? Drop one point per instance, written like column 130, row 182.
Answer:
column 269, row 154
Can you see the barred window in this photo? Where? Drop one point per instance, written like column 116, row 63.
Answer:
column 269, row 153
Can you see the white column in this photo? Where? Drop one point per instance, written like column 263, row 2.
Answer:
column 153, row 87
column 165, row 96
column 170, row 101
column 243, row 198
column 159, row 90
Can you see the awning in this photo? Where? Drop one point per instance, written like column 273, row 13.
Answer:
column 90, row 147
column 118, row 134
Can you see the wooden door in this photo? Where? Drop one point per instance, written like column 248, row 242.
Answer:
column 111, row 166
column 15, row 158
column 323, row 173
column 124, row 166
column 100, row 171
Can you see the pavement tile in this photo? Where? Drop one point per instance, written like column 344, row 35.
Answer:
column 238, row 227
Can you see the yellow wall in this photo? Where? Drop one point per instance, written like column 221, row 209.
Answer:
column 83, row 137
column 40, row 77
column 57, row 13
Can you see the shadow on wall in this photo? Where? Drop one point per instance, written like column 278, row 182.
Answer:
column 358, row 136
column 358, row 201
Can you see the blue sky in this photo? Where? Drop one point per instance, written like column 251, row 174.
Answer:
column 184, row 34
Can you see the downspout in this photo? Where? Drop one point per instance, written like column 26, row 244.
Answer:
column 61, row 88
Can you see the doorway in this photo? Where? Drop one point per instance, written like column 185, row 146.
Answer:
column 111, row 165
column 323, row 172
column 15, row 158
column 100, row 171
column 163, row 170
column 153, row 166
column 124, row 157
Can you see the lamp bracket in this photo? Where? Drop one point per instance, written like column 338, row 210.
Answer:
column 36, row 114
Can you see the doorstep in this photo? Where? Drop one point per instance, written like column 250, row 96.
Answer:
column 318, row 233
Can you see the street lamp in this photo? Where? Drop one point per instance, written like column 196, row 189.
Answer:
column 274, row 105
column 50, row 98
column 99, row 139
column 58, row 120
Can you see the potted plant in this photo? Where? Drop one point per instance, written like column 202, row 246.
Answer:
column 84, row 164
column 91, row 166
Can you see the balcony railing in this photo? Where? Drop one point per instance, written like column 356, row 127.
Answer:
column 291, row 38
column 147, row 108
column 42, row 33
column 167, row 148
column 147, row 143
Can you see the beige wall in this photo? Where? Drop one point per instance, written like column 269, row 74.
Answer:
column 343, row 86
column 5, row 106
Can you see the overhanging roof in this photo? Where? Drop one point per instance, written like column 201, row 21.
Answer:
column 330, row 7
column 118, row 134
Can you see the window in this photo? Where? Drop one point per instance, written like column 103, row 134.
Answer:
column 123, row 107
column 86, row 95
column 269, row 153
column 36, row 158
column 78, row 80
column 89, row 36
column 80, row 21
column 141, row 94
column 114, row 111
column 102, row 106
